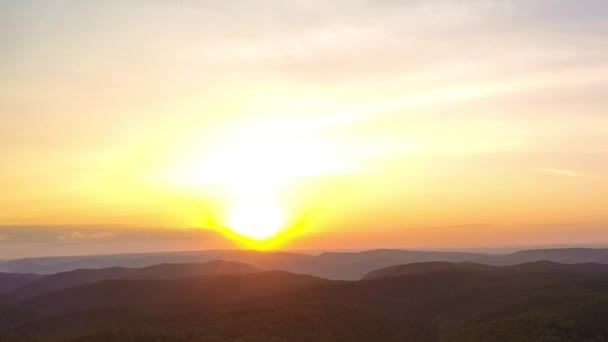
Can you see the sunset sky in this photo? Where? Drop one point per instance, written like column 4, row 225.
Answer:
column 169, row 125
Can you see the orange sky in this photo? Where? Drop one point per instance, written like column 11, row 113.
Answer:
column 333, row 123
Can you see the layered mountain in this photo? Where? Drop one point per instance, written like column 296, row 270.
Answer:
column 541, row 301
column 333, row 265
column 345, row 265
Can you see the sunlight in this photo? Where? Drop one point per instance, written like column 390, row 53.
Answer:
column 256, row 217
column 251, row 178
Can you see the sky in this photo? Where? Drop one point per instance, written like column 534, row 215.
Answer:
column 130, row 126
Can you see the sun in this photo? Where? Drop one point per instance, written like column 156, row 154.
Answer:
column 256, row 217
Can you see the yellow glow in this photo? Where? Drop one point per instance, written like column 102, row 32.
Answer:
column 252, row 179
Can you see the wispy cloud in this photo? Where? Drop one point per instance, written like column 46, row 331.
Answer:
column 561, row 172
column 84, row 236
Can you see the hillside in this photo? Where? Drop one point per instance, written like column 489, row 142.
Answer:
column 11, row 281
column 62, row 280
column 433, row 302
column 200, row 294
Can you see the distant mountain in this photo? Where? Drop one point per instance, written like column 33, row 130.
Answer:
column 351, row 266
column 531, row 267
column 425, row 267
column 435, row 302
column 62, row 280
column 339, row 266
column 11, row 281
column 347, row 266
column 561, row 255
column 51, row 265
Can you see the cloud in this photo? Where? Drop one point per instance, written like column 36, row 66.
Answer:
column 45, row 240
column 80, row 236
column 561, row 172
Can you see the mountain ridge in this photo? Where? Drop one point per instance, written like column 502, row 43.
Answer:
column 530, row 267
column 458, row 305
column 333, row 265
column 78, row 277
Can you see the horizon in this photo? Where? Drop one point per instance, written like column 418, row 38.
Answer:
column 490, row 250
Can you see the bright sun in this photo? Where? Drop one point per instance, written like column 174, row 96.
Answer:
column 257, row 218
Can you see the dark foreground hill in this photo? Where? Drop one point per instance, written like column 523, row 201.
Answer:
column 534, row 302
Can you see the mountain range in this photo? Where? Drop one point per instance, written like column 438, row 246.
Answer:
column 332, row 265
column 233, row 301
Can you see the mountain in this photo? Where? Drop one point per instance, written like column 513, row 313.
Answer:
column 51, row 265
column 346, row 266
column 531, row 267
column 351, row 266
column 442, row 302
column 197, row 294
column 339, row 266
column 62, row 280
column 11, row 281
column 560, row 255
column 425, row 267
